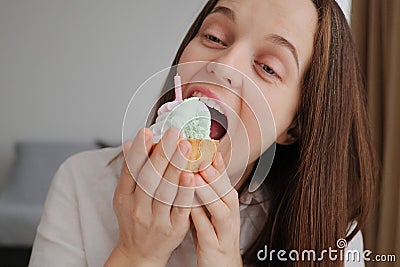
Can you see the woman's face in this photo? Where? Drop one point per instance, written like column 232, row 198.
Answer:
column 270, row 42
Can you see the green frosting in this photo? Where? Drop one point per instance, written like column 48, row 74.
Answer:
column 192, row 117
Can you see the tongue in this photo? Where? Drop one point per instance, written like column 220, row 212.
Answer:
column 216, row 130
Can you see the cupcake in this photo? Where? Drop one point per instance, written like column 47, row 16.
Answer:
column 193, row 119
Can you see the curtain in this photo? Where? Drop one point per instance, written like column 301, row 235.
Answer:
column 376, row 29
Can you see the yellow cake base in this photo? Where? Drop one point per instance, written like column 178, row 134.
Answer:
column 203, row 150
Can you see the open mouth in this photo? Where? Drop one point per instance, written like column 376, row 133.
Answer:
column 219, row 124
column 219, row 121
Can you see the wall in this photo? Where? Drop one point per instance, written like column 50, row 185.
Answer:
column 346, row 7
column 69, row 68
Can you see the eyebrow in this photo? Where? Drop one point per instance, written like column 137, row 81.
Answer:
column 275, row 38
column 279, row 40
column 227, row 12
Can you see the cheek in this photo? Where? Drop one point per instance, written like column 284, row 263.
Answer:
column 185, row 57
column 260, row 125
column 187, row 71
column 192, row 52
column 284, row 109
column 271, row 113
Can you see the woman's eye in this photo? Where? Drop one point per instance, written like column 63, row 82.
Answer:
column 213, row 39
column 268, row 70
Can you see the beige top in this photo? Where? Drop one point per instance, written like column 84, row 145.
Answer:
column 78, row 226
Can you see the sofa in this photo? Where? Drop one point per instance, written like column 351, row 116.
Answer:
column 23, row 195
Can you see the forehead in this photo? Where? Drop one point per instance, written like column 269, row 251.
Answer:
column 295, row 20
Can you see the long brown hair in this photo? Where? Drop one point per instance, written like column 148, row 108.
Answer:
column 323, row 182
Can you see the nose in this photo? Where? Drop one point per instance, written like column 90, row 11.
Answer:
column 225, row 69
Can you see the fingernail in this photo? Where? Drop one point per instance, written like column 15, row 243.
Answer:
column 173, row 133
column 147, row 135
column 208, row 170
column 183, row 148
column 219, row 158
column 199, row 180
column 187, row 179
column 203, row 166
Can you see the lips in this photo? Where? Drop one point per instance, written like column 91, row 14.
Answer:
column 219, row 121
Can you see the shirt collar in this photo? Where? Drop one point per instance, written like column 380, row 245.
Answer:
column 258, row 197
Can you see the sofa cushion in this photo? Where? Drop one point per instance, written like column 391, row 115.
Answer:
column 23, row 196
column 34, row 168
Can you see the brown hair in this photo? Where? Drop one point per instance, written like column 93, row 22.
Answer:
column 323, row 182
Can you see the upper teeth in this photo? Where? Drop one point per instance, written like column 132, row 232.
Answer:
column 208, row 101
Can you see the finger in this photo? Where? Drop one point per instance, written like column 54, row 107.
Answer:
column 210, row 198
column 194, row 235
column 219, row 163
column 184, row 199
column 220, row 182
column 126, row 185
column 151, row 174
column 138, row 153
column 135, row 154
column 166, row 191
column 206, row 235
column 222, row 216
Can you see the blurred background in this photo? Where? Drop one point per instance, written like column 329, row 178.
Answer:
column 69, row 68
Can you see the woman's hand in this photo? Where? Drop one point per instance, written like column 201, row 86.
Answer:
column 218, row 236
column 150, row 229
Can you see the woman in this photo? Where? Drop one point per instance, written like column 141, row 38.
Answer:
column 301, row 55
